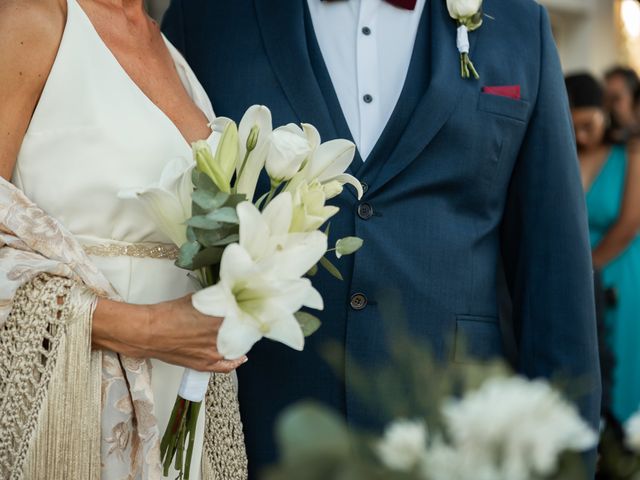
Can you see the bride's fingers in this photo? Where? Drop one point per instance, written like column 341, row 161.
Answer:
column 228, row 366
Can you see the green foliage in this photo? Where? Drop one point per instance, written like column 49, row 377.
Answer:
column 616, row 461
column 331, row 268
column 308, row 323
column 213, row 226
column 348, row 246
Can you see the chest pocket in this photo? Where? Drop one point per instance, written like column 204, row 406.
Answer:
column 503, row 106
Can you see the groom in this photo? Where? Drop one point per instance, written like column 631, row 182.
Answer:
column 462, row 177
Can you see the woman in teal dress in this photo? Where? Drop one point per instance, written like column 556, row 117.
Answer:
column 611, row 177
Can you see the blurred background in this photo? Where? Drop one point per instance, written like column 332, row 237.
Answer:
column 591, row 34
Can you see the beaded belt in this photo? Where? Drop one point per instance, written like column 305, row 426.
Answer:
column 136, row 250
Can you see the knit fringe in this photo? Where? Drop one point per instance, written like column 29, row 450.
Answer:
column 61, row 437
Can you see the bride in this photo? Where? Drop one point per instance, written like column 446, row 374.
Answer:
column 95, row 319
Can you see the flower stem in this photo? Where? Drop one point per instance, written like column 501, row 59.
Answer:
column 166, row 438
column 194, row 411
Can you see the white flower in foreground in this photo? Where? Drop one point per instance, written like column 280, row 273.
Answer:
column 310, row 211
column 288, row 149
column 254, row 131
column 404, row 445
column 461, row 9
column 265, row 235
column 444, row 462
column 168, row 201
column 327, row 165
column 525, row 424
column 632, row 431
column 254, row 304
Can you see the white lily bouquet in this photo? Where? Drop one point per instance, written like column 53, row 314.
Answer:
column 252, row 259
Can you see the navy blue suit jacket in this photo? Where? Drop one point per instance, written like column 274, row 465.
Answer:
column 469, row 182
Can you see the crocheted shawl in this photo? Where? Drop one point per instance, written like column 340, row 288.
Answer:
column 66, row 411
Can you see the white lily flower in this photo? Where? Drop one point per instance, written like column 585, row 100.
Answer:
column 462, row 9
column 257, row 124
column 404, row 445
column 168, row 201
column 255, row 304
column 266, row 236
column 310, row 211
column 327, row 165
column 256, row 118
column 288, row 150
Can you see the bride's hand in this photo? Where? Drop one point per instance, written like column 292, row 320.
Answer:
column 173, row 332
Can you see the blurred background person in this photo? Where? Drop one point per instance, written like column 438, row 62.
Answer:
column 620, row 86
column 611, row 179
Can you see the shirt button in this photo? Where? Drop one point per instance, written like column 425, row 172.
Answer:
column 358, row 301
column 365, row 211
column 365, row 187
column 366, row 30
column 367, row 98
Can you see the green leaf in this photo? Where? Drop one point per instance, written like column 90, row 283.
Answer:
column 187, row 252
column 308, row 323
column 217, row 237
column 331, row 268
column 208, row 200
column 201, row 181
column 224, row 215
column 328, row 229
column 348, row 245
column 191, row 234
column 208, row 256
column 203, row 222
column 234, row 200
column 308, row 430
column 313, row 272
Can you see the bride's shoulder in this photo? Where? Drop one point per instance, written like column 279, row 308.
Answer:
column 30, row 34
column 35, row 24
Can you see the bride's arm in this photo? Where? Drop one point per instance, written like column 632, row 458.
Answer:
column 173, row 332
column 30, row 33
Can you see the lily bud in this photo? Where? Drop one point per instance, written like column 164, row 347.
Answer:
column 252, row 139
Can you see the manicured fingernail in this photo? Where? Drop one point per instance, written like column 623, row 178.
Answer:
column 245, row 359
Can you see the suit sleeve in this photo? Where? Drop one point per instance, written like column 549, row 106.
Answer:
column 173, row 25
column 546, row 251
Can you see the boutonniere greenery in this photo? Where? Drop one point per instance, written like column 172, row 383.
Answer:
column 468, row 15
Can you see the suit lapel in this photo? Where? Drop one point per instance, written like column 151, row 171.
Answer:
column 283, row 33
column 440, row 99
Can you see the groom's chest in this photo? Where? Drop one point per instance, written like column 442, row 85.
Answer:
column 456, row 133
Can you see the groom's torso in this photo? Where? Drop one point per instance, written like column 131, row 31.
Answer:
column 436, row 180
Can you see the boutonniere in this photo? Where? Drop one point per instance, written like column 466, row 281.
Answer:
column 468, row 14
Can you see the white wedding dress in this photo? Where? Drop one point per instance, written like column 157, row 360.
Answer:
column 95, row 133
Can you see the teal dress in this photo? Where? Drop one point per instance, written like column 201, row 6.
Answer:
column 604, row 201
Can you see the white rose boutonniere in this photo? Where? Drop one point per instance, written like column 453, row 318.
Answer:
column 468, row 14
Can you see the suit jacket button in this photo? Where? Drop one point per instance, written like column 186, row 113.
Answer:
column 365, row 187
column 365, row 211
column 359, row 301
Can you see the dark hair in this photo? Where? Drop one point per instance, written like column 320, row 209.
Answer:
column 584, row 91
column 636, row 97
column 629, row 76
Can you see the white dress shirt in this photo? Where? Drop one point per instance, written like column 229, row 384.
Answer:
column 367, row 46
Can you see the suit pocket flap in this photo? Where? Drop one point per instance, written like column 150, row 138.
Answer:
column 477, row 339
column 503, row 106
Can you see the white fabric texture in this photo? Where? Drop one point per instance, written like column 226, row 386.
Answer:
column 359, row 64
column 93, row 134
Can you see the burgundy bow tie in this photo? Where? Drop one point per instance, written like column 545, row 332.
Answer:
column 406, row 4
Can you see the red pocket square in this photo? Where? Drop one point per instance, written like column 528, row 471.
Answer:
column 511, row 91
